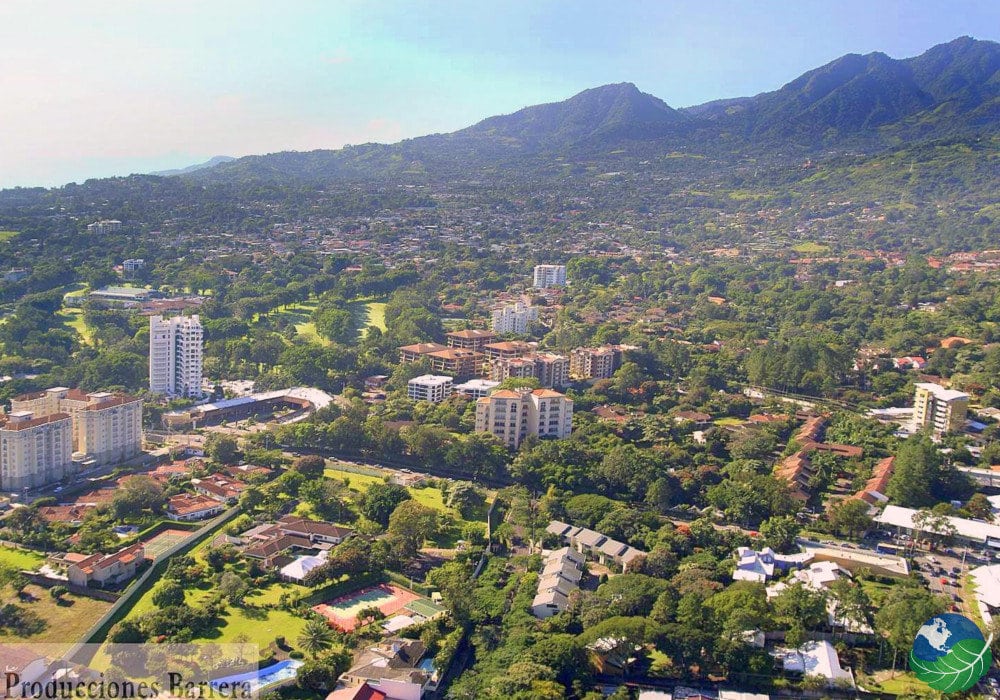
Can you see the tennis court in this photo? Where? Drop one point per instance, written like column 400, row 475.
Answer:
column 342, row 612
column 424, row 608
column 159, row 544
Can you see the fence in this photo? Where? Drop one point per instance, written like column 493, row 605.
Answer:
column 99, row 629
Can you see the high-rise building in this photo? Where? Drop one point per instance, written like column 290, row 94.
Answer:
column 594, row 363
column 938, row 409
column 511, row 416
column 175, row 356
column 548, row 368
column 514, row 318
column 105, row 226
column 34, row 451
column 106, row 427
column 550, row 276
column 470, row 339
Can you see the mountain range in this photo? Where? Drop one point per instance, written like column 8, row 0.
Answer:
column 868, row 102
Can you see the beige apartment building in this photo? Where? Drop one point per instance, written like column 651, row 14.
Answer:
column 938, row 409
column 550, row 369
column 512, row 416
column 106, row 427
column 596, row 363
column 34, row 450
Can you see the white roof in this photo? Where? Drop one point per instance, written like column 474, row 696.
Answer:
column 476, row 385
column 987, row 580
column 430, row 380
column 303, row 565
column 399, row 622
column 815, row 659
column 940, row 392
column 740, row 695
column 969, row 529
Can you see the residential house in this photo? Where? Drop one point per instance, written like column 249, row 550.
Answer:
column 107, row 570
column 395, row 667
column 193, row 507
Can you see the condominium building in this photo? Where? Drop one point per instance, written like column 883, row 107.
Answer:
column 507, row 349
column 429, row 387
column 458, row 362
column 105, row 226
column 548, row 368
column 514, row 318
column 133, row 264
column 476, row 388
column 550, row 276
column 413, row 353
column 34, row 451
column 175, row 356
column 106, row 427
column 470, row 339
column 595, row 363
column 511, row 416
column 938, row 409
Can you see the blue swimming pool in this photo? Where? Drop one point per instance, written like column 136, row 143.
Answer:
column 264, row 677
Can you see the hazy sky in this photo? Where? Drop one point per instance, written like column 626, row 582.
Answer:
column 91, row 88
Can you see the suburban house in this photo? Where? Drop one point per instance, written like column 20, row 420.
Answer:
column 272, row 543
column 761, row 566
column 592, row 543
column 105, row 570
column 396, row 667
column 360, row 692
column 185, row 506
column 220, row 487
column 28, row 665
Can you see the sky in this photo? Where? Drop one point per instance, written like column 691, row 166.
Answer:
column 94, row 88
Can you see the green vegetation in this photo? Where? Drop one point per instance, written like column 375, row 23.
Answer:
column 62, row 622
column 19, row 558
column 7, row 235
column 811, row 248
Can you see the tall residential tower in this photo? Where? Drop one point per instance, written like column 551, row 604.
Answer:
column 175, row 354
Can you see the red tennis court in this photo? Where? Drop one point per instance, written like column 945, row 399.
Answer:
column 342, row 612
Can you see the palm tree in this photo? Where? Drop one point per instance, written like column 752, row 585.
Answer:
column 316, row 636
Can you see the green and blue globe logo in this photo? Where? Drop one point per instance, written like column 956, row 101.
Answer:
column 950, row 654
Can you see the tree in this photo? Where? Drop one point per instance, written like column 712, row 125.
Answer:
column 979, row 507
column 799, row 604
column 326, row 497
column 316, row 636
column 136, row 494
column 902, row 612
column 168, row 594
column 57, row 593
column 233, row 587
column 369, row 615
column 380, row 500
column 849, row 518
column 413, row 523
column 319, row 675
column 310, row 466
column 465, row 498
column 780, row 532
column 221, row 448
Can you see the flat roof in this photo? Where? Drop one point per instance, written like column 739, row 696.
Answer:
column 969, row 529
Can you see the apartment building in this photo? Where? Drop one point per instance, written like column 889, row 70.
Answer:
column 104, row 227
column 175, row 356
column 549, row 276
column 938, row 409
column 514, row 318
column 470, row 339
column 429, row 387
column 507, row 349
column 457, row 362
column 550, row 369
column 106, row 427
column 595, row 363
column 511, row 416
column 133, row 265
column 34, row 450
column 476, row 388
column 413, row 353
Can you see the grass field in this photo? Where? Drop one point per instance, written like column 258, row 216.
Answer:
column 7, row 235
column 73, row 319
column 20, row 558
column 358, row 482
column 810, row 247
column 65, row 622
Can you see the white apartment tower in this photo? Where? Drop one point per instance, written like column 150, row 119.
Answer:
column 550, row 276
column 175, row 355
column 514, row 318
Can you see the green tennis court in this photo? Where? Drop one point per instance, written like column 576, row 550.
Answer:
column 159, row 544
column 424, row 607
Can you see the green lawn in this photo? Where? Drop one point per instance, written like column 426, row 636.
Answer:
column 906, row 683
column 78, row 289
column 65, row 623
column 368, row 314
column 810, row 247
column 73, row 319
column 7, row 235
column 20, row 558
column 358, row 482
column 729, row 421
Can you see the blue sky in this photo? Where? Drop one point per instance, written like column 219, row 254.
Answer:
column 106, row 87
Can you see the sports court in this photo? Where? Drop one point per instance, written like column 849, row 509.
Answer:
column 159, row 544
column 342, row 611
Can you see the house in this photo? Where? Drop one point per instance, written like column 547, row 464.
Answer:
column 219, row 487
column 107, row 570
column 271, row 543
column 396, row 667
column 816, row 659
column 761, row 566
column 361, row 692
column 193, row 507
column 909, row 362
column 589, row 542
column 694, row 417
column 562, row 570
column 21, row 660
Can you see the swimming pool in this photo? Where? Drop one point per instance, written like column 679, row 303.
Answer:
column 264, row 677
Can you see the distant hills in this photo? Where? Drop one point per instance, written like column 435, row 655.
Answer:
column 210, row 163
column 870, row 102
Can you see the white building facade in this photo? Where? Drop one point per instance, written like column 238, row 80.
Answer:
column 34, row 451
column 176, row 346
column 549, row 276
column 430, row 387
column 514, row 318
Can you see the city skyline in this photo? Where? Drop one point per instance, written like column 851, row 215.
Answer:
column 114, row 88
